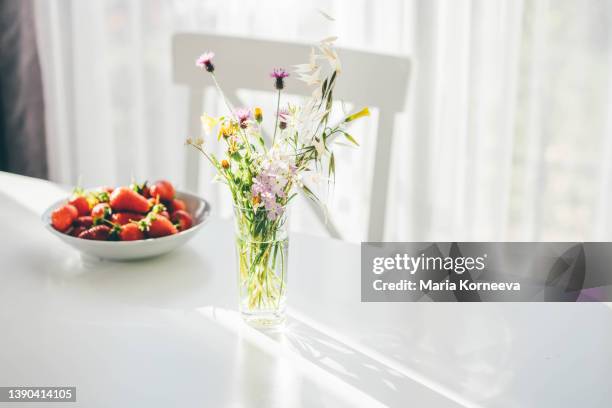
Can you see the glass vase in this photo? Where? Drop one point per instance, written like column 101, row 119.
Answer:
column 262, row 245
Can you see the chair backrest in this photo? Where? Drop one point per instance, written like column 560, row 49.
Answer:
column 370, row 79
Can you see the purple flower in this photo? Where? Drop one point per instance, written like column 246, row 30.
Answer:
column 283, row 115
column 243, row 116
column 269, row 185
column 205, row 61
column 279, row 74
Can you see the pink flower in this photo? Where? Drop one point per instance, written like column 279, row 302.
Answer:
column 283, row 116
column 243, row 116
column 205, row 61
column 269, row 185
column 279, row 74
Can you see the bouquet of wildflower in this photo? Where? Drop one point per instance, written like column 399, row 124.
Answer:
column 264, row 176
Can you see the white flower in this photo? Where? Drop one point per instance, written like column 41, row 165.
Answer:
column 311, row 79
column 313, row 58
column 331, row 56
column 316, row 178
column 329, row 40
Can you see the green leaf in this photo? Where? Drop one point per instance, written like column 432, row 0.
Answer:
column 350, row 138
column 332, row 167
column 310, row 194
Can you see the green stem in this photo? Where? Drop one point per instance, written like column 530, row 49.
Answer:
column 280, row 294
column 277, row 114
column 231, row 109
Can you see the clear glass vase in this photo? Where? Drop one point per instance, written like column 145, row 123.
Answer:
column 262, row 245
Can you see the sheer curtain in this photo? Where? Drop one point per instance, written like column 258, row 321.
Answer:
column 508, row 134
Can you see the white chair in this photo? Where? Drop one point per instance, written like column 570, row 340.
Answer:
column 370, row 79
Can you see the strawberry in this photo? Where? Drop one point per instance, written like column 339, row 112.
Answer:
column 162, row 189
column 76, row 231
column 63, row 217
column 96, row 233
column 100, row 212
column 131, row 232
column 81, row 204
column 106, row 189
column 125, row 217
column 157, row 226
column 182, row 219
column 125, row 199
column 85, row 221
column 177, row 204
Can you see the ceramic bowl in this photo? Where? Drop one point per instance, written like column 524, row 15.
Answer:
column 132, row 250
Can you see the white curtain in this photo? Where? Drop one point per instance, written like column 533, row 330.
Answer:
column 507, row 136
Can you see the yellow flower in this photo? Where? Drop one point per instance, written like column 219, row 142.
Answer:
column 208, row 123
column 226, row 131
column 258, row 115
column 364, row 112
column 225, row 164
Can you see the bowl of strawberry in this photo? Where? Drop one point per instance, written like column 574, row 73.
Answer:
column 128, row 222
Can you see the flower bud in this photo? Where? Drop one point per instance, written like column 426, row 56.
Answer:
column 258, row 115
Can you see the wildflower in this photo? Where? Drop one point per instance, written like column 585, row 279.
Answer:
column 205, row 61
column 227, row 130
column 364, row 112
column 331, row 56
column 310, row 67
column 243, row 116
column 225, row 164
column 329, row 40
column 197, row 142
column 270, row 184
column 233, row 145
column 283, row 116
column 312, row 78
column 279, row 74
column 258, row 115
column 208, row 123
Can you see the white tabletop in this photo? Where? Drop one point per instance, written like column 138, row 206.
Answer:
column 165, row 332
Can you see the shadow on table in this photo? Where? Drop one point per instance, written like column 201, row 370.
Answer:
column 359, row 368
column 176, row 280
column 351, row 371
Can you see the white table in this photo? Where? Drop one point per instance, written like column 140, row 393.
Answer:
column 165, row 332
